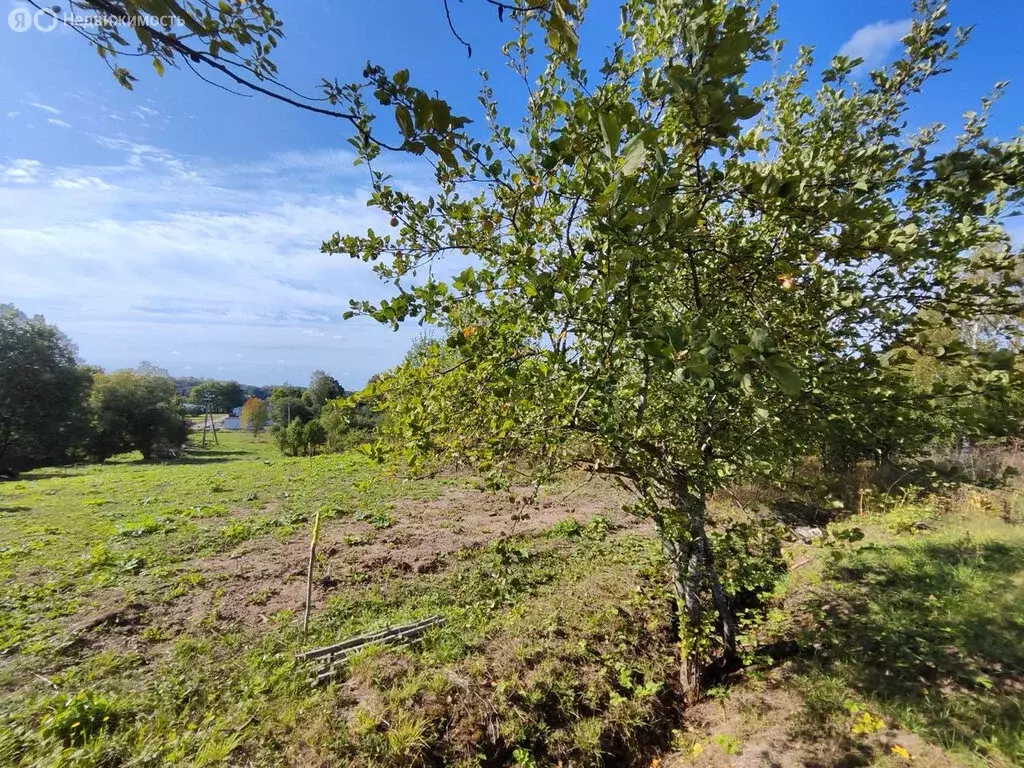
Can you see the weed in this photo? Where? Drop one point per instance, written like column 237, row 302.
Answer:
column 379, row 520
column 566, row 529
column 598, row 527
column 155, row 634
column 728, row 743
column 523, row 758
column 73, row 720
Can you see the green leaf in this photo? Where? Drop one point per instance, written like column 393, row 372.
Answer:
column 633, row 155
column 744, row 107
column 145, row 36
column 610, row 130
column 759, row 340
column 404, row 120
column 562, row 36
column 785, row 375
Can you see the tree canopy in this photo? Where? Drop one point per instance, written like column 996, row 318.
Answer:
column 222, row 395
column 686, row 270
column 136, row 411
column 286, row 404
column 254, row 415
column 43, row 393
column 322, row 389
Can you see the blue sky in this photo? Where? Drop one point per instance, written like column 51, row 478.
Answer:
column 179, row 224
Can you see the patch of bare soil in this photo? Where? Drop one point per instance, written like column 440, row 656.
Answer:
column 769, row 726
column 247, row 586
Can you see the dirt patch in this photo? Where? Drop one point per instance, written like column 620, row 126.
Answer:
column 767, row 725
column 265, row 576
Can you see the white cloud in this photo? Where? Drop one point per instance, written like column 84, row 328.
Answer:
column 58, row 123
column 81, row 182
column 44, row 107
column 20, row 171
column 13, row 113
column 157, row 251
column 874, row 42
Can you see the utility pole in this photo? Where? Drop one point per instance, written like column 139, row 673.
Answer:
column 208, row 417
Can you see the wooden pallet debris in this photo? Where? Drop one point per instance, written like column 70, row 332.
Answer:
column 332, row 658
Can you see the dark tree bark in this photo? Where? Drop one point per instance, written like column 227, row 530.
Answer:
column 694, row 573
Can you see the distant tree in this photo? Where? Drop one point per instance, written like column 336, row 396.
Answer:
column 286, row 405
column 286, row 390
column 43, row 393
column 315, row 437
column 254, row 414
column 263, row 393
column 147, row 368
column 350, row 421
column 295, row 437
column 224, row 395
column 322, row 389
column 136, row 411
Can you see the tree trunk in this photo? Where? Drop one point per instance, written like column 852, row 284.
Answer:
column 684, row 560
column 688, row 550
column 725, row 612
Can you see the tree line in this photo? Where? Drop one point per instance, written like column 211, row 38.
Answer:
column 56, row 410
column 306, row 421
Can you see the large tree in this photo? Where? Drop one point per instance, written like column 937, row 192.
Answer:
column 135, row 411
column 43, row 393
column 673, row 275
column 686, row 269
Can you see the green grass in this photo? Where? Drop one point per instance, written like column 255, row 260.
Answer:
column 927, row 628
column 69, row 534
column 557, row 647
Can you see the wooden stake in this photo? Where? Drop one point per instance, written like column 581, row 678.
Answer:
column 309, row 571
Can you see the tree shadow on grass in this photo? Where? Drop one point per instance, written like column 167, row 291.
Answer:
column 198, row 456
column 932, row 633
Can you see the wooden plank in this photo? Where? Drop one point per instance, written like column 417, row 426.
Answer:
column 334, row 663
column 369, row 637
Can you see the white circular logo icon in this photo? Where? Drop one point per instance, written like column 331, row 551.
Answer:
column 20, row 19
column 45, row 20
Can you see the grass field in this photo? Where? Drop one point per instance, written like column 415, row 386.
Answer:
column 150, row 615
